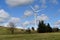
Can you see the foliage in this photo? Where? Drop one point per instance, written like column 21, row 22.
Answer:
column 55, row 29
column 11, row 27
column 42, row 27
column 49, row 29
column 33, row 28
column 28, row 30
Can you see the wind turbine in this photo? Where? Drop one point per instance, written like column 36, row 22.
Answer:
column 35, row 13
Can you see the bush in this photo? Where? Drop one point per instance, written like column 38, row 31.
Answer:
column 28, row 30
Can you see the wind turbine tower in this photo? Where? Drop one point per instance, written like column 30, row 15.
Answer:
column 36, row 12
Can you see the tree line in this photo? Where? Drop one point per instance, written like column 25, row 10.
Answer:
column 42, row 28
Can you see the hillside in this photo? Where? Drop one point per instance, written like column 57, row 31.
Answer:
column 5, row 30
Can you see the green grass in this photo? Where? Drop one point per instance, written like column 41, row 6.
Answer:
column 4, row 35
column 37, row 36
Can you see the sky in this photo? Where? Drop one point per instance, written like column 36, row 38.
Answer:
column 24, row 12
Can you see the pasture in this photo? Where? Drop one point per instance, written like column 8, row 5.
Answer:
column 35, row 36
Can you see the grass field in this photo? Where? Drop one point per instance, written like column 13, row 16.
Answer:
column 41, row 36
column 4, row 35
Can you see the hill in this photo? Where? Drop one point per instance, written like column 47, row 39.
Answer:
column 5, row 30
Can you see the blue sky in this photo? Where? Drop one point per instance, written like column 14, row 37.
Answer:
column 20, row 11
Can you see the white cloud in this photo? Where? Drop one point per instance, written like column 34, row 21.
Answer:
column 54, row 1
column 3, row 15
column 56, row 26
column 5, row 18
column 14, row 20
column 18, row 2
column 57, row 23
column 26, row 23
column 43, row 6
column 43, row 1
column 36, row 7
column 28, row 13
column 32, row 22
column 42, row 17
column 5, row 24
column 19, row 27
column 39, row 18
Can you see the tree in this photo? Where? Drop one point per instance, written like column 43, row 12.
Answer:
column 28, row 30
column 49, row 29
column 11, row 27
column 55, row 29
column 41, row 27
column 33, row 28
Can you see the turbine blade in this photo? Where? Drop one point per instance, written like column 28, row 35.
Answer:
column 39, row 10
column 32, row 8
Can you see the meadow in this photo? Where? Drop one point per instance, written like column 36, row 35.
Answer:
column 32, row 36
column 19, row 35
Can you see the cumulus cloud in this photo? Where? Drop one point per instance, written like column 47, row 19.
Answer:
column 3, row 15
column 36, row 7
column 32, row 22
column 57, row 23
column 42, row 17
column 28, row 13
column 26, row 23
column 43, row 6
column 18, row 2
column 43, row 1
column 5, row 18
column 39, row 18
column 14, row 20
column 54, row 1
column 56, row 26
